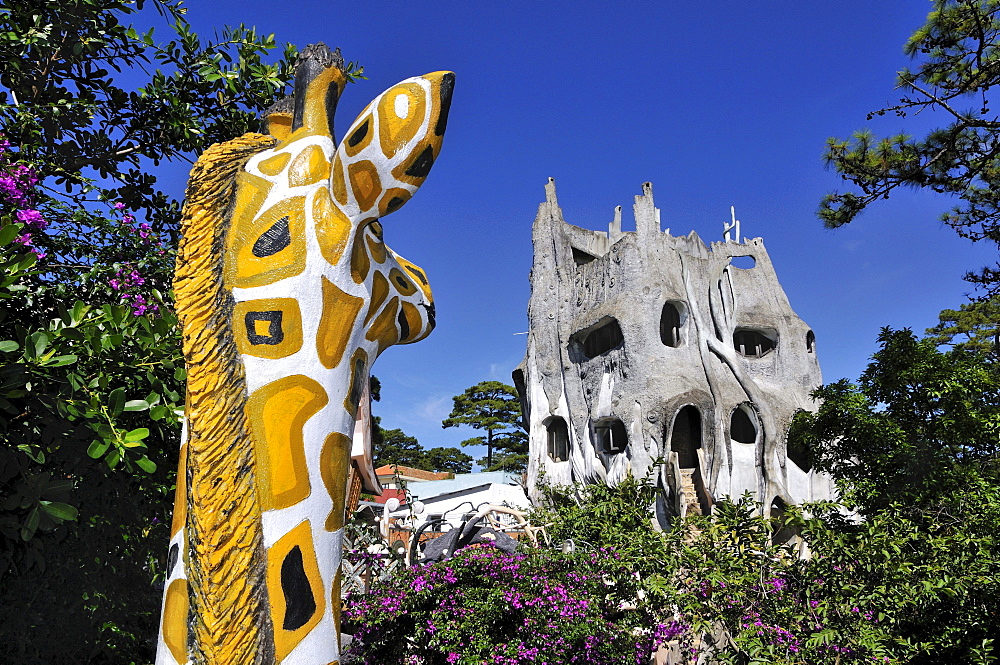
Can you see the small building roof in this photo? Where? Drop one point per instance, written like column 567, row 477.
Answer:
column 409, row 473
column 463, row 481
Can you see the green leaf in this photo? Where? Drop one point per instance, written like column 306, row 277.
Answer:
column 8, row 233
column 136, row 405
column 60, row 361
column 97, row 448
column 37, row 343
column 8, row 346
column 146, row 464
column 116, row 401
column 30, row 525
column 137, row 434
column 60, row 511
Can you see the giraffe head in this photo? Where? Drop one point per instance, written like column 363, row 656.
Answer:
column 308, row 216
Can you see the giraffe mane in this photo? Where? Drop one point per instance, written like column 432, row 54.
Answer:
column 225, row 544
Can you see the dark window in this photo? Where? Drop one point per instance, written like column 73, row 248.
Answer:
column 581, row 257
column 800, row 453
column 753, row 343
column 612, row 436
column 811, row 342
column 670, row 324
column 685, row 438
column 603, row 339
column 558, row 439
column 741, row 427
column 780, row 532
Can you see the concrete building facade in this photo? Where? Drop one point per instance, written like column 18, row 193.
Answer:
column 644, row 346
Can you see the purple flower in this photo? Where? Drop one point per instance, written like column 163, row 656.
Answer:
column 32, row 218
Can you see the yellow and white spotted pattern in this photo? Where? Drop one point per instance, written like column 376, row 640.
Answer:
column 287, row 294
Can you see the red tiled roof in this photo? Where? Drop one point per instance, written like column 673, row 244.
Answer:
column 405, row 472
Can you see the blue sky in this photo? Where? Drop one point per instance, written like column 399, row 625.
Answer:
column 715, row 103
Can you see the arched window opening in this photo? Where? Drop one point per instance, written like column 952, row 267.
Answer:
column 741, row 426
column 811, row 342
column 743, row 262
column 670, row 324
column 612, row 437
column 581, row 257
column 754, row 343
column 799, row 452
column 605, row 337
column 685, row 437
column 558, row 439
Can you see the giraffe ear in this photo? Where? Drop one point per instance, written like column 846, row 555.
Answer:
column 390, row 148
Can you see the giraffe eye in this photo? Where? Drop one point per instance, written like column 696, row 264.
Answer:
column 273, row 240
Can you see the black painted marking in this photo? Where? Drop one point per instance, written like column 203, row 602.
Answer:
column 404, row 325
column 273, row 240
column 447, row 86
column 395, row 203
column 332, row 97
column 299, row 602
column 172, row 556
column 402, row 283
column 275, row 335
column 357, row 383
column 418, row 274
column 431, row 312
column 359, row 135
column 421, row 166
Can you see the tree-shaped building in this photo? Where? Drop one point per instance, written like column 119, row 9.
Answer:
column 643, row 345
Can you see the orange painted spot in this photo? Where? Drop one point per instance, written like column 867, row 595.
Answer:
column 268, row 327
column 359, row 136
column 334, row 464
column 333, row 229
column 415, row 324
column 393, row 200
column 277, row 413
column 248, row 261
column 365, row 183
column 419, row 276
column 175, row 620
column 336, row 323
column 339, row 184
column 401, row 112
column 380, row 291
column 279, row 125
column 360, row 262
column 180, row 494
column 275, row 165
column 309, row 166
column 294, row 588
column 384, row 330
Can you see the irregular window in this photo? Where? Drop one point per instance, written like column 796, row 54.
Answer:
column 741, row 426
column 780, row 532
column 685, row 438
column 754, row 343
column 799, row 452
column 743, row 262
column 811, row 342
column 602, row 339
column 581, row 257
column 670, row 324
column 558, row 439
column 612, row 437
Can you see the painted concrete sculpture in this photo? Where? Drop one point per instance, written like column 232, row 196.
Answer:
column 287, row 294
column 644, row 345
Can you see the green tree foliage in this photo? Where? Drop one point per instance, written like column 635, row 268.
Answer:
column 974, row 326
column 957, row 63
column 91, row 381
column 918, row 426
column 494, row 407
column 393, row 446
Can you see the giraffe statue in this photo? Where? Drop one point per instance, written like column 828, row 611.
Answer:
column 287, row 294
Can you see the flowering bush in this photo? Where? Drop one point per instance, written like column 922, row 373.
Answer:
column 484, row 606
